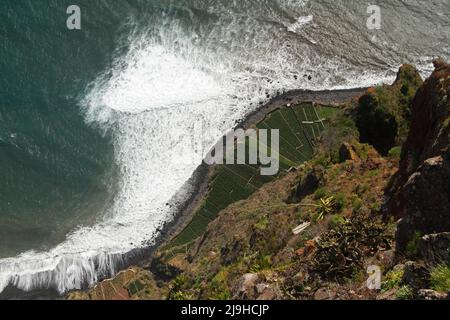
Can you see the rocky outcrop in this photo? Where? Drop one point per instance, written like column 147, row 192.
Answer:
column 420, row 192
column 431, row 295
column 307, row 186
column 347, row 152
column 383, row 113
column 435, row 248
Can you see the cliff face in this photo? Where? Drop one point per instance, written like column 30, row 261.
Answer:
column 383, row 114
column 313, row 232
column 420, row 192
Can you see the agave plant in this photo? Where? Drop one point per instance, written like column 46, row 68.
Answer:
column 326, row 207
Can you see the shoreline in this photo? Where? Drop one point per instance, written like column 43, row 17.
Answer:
column 196, row 188
column 200, row 179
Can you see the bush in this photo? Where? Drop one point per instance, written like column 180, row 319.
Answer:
column 336, row 221
column 440, row 278
column 412, row 248
column 356, row 204
column 404, row 293
column 340, row 202
column 376, row 124
column 262, row 263
column 320, row 193
column 395, row 152
column 340, row 252
column 392, row 280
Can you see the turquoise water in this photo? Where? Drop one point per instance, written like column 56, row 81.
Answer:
column 93, row 123
column 55, row 171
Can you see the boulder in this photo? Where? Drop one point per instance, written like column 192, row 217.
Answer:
column 435, row 248
column 426, row 294
column 246, row 288
column 347, row 152
column 415, row 275
column 306, row 187
column 426, row 202
column 325, row 294
column 269, row 292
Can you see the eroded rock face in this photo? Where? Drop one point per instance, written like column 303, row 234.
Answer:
column 247, row 287
column 435, row 248
column 429, row 295
column 383, row 113
column 426, row 201
column 307, row 186
column 347, row 152
column 420, row 192
column 415, row 275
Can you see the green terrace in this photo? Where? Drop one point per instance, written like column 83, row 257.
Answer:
column 300, row 127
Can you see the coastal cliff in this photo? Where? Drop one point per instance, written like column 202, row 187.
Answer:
column 313, row 231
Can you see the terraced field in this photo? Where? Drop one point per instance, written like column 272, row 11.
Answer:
column 300, row 126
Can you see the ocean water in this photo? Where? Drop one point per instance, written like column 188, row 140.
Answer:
column 101, row 128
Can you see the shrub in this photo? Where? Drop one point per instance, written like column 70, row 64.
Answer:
column 392, row 280
column 404, row 293
column 340, row 202
column 263, row 263
column 336, row 221
column 340, row 252
column 440, row 278
column 320, row 193
column 356, row 203
column 395, row 152
column 412, row 248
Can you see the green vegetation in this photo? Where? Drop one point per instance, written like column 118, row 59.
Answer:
column 218, row 288
column 320, row 193
column 327, row 206
column 340, row 202
column 392, row 280
column 404, row 293
column 340, row 251
column 440, row 278
column 263, row 263
column 383, row 114
column 395, row 153
column 326, row 112
column 300, row 128
column 412, row 248
column 357, row 203
column 336, row 222
column 340, row 128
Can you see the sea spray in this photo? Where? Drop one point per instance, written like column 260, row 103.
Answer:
column 190, row 63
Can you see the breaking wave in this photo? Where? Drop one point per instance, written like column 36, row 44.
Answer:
column 177, row 88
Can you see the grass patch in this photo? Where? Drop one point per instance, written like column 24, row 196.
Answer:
column 440, row 278
column 320, row 193
column 395, row 153
column 392, row 280
column 412, row 248
column 404, row 293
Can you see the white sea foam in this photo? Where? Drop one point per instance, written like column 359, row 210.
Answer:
column 301, row 21
column 168, row 84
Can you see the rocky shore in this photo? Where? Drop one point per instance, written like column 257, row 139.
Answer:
column 375, row 196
